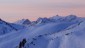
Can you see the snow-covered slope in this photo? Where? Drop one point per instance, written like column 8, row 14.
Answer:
column 6, row 27
column 66, row 32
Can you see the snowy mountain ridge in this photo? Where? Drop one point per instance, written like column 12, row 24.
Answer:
column 53, row 32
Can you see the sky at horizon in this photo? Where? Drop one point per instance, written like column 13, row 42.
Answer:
column 12, row 10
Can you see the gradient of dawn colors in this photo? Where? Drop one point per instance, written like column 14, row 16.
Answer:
column 12, row 10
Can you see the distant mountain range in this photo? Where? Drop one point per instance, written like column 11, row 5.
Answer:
column 52, row 32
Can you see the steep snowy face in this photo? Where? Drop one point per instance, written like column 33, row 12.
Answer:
column 6, row 27
column 42, row 20
column 23, row 22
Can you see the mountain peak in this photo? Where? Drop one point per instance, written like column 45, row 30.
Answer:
column 70, row 17
column 44, row 20
column 23, row 21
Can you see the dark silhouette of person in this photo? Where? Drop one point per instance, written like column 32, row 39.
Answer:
column 22, row 43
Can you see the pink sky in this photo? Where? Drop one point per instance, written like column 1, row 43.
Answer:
column 32, row 9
